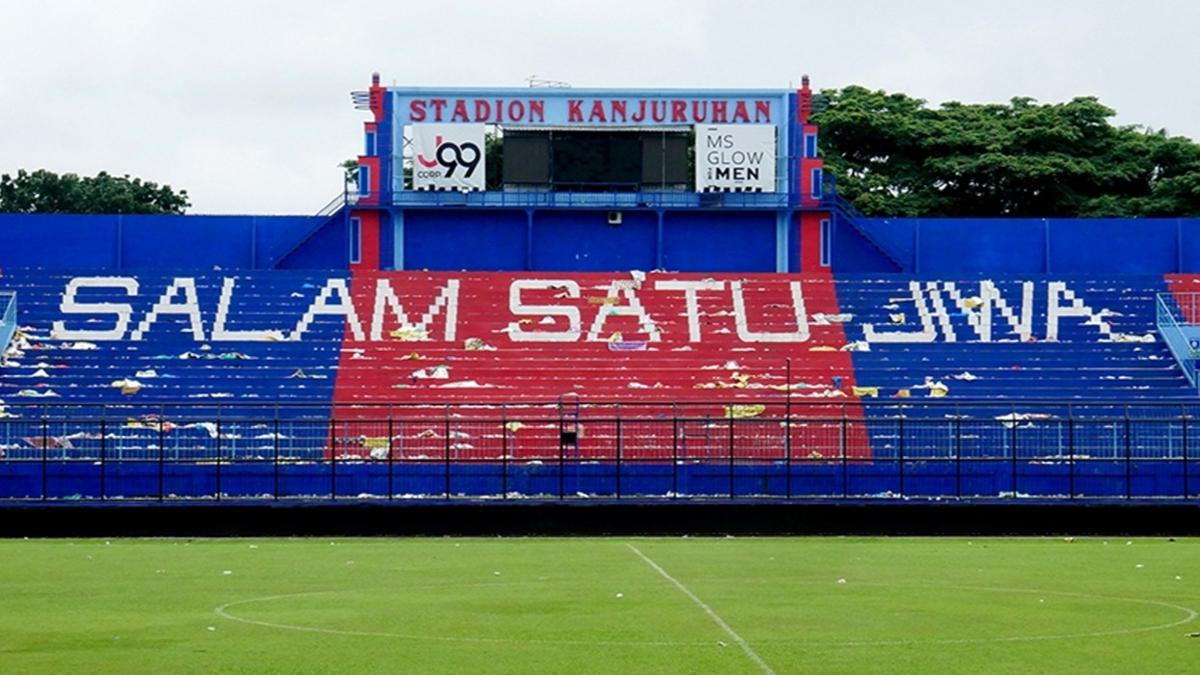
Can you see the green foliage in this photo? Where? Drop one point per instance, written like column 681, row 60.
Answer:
column 894, row 155
column 47, row 192
column 493, row 152
column 349, row 173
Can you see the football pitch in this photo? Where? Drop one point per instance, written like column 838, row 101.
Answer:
column 600, row 605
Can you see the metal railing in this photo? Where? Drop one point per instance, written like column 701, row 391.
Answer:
column 1172, row 320
column 8, row 318
column 812, row 454
column 627, row 197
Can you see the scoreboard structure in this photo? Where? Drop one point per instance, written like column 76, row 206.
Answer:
column 671, row 155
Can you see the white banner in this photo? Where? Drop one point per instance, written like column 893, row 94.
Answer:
column 448, row 157
column 735, row 158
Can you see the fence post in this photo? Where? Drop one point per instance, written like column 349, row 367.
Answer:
column 391, row 458
column 562, row 457
column 787, row 451
column 503, row 452
column 1012, row 434
column 446, row 429
column 218, row 474
column 845, row 464
column 1128, row 458
column 731, row 485
column 46, row 456
column 787, row 431
column 275, row 458
column 900, row 428
column 1071, row 455
column 162, row 451
column 674, row 453
column 1187, row 493
column 103, row 459
column 619, row 443
column 333, row 459
column 957, row 454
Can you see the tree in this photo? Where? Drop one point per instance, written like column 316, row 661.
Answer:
column 47, row 192
column 894, row 155
column 349, row 174
column 493, row 165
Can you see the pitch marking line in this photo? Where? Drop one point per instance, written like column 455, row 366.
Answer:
column 707, row 610
column 223, row 612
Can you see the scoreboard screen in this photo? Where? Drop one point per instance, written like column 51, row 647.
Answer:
column 596, row 160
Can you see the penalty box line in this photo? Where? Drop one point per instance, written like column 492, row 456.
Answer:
column 741, row 642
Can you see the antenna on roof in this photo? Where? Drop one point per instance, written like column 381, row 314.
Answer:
column 539, row 82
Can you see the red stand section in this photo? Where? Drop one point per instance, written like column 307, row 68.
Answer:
column 368, row 241
column 529, row 349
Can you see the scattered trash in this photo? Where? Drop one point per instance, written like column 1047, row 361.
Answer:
column 298, row 374
column 744, row 410
column 620, row 595
column 821, row 319
column 128, row 387
column 227, row 572
column 1014, row 419
column 841, row 581
column 432, row 373
column 33, row 393
column 409, row 334
column 477, row 345
column 1126, row 337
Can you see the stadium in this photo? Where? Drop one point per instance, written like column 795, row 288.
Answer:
column 623, row 312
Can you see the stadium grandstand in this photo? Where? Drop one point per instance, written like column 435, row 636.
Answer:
column 653, row 295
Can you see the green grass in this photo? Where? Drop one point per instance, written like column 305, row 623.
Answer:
column 552, row 605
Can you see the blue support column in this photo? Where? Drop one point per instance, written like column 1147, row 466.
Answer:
column 658, row 240
column 398, row 239
column 1179, row 245
column 528, row 239
column 1046, row 245
column 782, row 239
column 120, row 241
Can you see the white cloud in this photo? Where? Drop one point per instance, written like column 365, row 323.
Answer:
column 245, row 103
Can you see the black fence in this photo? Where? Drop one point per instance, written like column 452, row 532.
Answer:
column 725, row 451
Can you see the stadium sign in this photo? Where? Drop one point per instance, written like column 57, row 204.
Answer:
column 551, row 309
column 448, row 157
column 735, row 158
column 604, row 110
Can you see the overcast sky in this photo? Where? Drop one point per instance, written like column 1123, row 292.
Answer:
column 245, row 104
